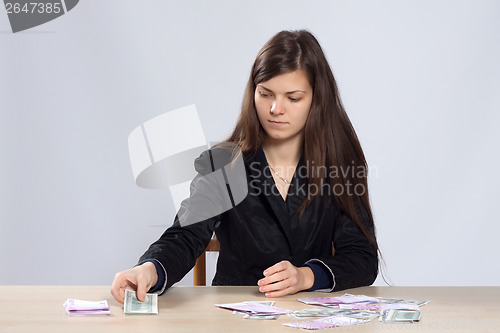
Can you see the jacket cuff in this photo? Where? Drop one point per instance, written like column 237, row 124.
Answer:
column 324, row 273
column 161, row 283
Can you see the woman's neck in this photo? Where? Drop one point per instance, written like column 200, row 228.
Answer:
column 283, row 153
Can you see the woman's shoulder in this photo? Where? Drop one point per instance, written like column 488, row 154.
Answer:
column 215, row 158
column 222, row 154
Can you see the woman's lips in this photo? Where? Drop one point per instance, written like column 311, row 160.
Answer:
column 277, row 123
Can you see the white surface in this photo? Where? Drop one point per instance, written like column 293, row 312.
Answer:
column 420, row 81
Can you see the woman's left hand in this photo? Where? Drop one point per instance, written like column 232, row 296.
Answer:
column 284, row 278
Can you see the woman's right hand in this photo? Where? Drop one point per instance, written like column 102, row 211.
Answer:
column 140, row 279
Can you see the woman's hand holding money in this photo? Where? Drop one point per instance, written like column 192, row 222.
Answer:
column 140, row 279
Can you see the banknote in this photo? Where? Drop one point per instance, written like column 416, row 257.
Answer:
column 358, row 314
column 253, row 308
column 327, row 322
column 379, row 307
column 258, row 316
column 326, row 312
column 248, row 316
column 400, row 300
column 312, row 313
column 268, row 303
column 133, row 306
column 335, row 301
column 400, row 316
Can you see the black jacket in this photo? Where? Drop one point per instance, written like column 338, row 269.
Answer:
column 264, row 229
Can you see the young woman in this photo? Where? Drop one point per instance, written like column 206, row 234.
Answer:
column 306, row 223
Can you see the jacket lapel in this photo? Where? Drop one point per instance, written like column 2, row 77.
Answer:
column 260, row 170
column 298, row 188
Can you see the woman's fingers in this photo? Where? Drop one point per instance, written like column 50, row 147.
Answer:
column 282, row 284
column 118, row 287
column 123, row 280
column 282, row 265
column 273, row 278
column 284, row 278
column 143, row 285
column 281, row 292
column 280, row 279
column 140, row 279
column 274, row 273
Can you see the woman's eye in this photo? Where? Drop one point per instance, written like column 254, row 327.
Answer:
column 294, row 99
column 263, row 94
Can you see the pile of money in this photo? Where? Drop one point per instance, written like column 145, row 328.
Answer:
column 76, row 307
column 329, row 312
column 133, row 306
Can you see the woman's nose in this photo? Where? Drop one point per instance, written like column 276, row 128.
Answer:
column 277, row 107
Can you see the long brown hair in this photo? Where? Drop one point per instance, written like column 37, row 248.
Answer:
column 329, row 137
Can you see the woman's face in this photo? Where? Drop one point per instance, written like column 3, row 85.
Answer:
column 283, row 104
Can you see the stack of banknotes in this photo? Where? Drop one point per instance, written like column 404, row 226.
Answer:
column 132, row 305
column 76, row 307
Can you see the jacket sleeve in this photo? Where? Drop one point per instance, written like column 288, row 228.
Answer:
column 179, row 247
column 181, row 244
column 355, row 262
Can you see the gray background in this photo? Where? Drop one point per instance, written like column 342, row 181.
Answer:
column 419, row 79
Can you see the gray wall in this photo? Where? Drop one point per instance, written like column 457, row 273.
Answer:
column 420, row 81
